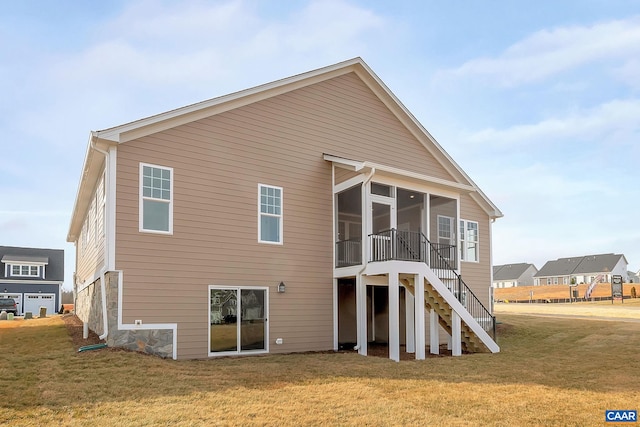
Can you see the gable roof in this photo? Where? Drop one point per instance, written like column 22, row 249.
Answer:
column 52, row 258
column 580, row 265
column 121, row 134
column 510, row 271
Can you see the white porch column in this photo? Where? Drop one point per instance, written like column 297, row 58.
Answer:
column 335, row 314
column 434, row 333
column 419, row 316
column 394, row 317
column 456, row 335
column 361, row 315
column 372, row 309
column 410, row 321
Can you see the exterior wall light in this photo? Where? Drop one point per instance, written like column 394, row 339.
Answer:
column 281, row 288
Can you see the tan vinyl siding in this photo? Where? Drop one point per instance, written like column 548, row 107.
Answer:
column 215, row 241
column 477, row 275
column 217, row 164
column 342, row 175
column 90, row 249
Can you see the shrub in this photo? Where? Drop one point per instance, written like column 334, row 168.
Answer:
column 633, row 292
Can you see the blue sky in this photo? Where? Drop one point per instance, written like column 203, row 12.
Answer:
column 538, row 101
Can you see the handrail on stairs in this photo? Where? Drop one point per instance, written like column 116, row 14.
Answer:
column 398, row 245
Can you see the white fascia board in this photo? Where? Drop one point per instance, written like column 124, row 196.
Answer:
column 29, row 282
column 420, row 177
column 91, row 172
column 344, row 163
column 72, row 235
column 358, row 166
column 15, row 262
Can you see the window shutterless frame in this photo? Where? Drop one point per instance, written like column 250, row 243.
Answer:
column 270, row 214
column 156, row 199
column 20, row 270
column 469, row 241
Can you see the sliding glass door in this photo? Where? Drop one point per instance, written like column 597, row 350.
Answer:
column 237, row 320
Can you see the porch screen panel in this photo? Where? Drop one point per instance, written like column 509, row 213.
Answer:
column 348, row 217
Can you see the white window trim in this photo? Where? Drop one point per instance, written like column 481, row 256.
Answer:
column 239, row 352
column 463, row 240
column 40, row 270
column 281, row 216
column 142, row 198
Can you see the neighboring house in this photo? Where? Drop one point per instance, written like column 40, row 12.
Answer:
column 510, row 275
column 306, row 214
column 32, row 277
column 633, row 277
column 582, row 269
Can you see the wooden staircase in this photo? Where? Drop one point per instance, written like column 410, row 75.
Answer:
column 471, row 343
column 455, row 304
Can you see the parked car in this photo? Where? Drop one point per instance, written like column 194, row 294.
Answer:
column 8, row 305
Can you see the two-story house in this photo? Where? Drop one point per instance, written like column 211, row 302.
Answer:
column 582, row 269
column 32, row 277
column 305, row 214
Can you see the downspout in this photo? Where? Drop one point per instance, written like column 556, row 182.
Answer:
column 364, row 246
column 105, row 318
column 103, row 288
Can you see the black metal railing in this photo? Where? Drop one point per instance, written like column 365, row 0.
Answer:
column 399, row 245
column 349, row 252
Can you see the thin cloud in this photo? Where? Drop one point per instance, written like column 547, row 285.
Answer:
column 592, row 124
column 549, row 52
column 154, row 57
column 203, row 45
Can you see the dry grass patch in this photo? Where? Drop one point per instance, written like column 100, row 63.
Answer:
column 630, row 309
column 550, row 372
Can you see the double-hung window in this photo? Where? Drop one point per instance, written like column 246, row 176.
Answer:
column 469, row 241
column 156, row 199
column 269, row 214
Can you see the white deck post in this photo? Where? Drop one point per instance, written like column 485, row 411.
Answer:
column 394, row 317
column 434, row 333
column 410, row 321
column 335, row 315
column 456, row 335
column 419, row 316
column 372, row 309
column 361, row 315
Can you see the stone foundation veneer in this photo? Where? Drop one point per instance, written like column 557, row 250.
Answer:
column 88, row 308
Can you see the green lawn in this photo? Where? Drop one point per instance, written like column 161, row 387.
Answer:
column 550, row 372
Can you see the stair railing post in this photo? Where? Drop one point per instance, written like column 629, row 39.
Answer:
column 493, row 318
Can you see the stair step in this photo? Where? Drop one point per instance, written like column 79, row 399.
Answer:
column 433, row 300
